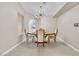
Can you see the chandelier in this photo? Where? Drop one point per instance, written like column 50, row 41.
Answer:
column 40, row 12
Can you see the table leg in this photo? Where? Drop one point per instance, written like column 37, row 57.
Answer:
column 33, row 39
column 55, row 39
column 27, row 37
column 48, row 39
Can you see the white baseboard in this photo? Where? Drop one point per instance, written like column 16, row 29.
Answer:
column 71, row 46
column 11, row 48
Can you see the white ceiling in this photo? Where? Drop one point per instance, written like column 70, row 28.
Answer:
column 50, row 7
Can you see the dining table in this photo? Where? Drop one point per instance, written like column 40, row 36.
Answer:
column 46, row 34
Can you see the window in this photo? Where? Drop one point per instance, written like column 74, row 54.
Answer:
column 32, row 25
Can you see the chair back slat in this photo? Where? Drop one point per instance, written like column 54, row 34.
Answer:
column 40, row 35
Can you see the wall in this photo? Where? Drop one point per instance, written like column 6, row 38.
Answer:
column 26, row 21
column 8, row 25
column 27, row 15
column 48, row 23
column 66, row 28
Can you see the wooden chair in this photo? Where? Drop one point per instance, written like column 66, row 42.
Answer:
column 31, row 35
column 40, row 37
column 28, row 35
column 53, row 36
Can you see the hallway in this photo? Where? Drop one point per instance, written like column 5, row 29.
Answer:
column 44, row 20
column 51, row 49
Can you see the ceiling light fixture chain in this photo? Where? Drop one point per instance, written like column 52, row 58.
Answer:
column 41, row 11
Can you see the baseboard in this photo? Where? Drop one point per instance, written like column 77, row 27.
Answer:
column 11, row 48
column 71, row 46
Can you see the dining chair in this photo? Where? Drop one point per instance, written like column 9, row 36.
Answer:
column 53, row 36
column 31, row 35
column 26, row 35
column 40, row 36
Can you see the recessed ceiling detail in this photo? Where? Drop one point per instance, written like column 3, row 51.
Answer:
column 50, row 7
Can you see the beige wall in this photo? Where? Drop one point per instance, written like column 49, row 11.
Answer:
column 27, row 16
column 8, row 34
column 8, row 25
column 26, row 21
column 67, row 31
column 48, row 23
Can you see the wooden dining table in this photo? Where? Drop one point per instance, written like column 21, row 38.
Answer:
column 49, row 33
column 45, row 35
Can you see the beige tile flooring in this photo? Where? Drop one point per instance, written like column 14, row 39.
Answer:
column 51, row 49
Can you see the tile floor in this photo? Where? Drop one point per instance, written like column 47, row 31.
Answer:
column 51, row 49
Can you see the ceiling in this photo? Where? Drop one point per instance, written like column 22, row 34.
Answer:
column 50, row 7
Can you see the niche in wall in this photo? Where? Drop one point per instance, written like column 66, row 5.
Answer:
column 20, row 22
